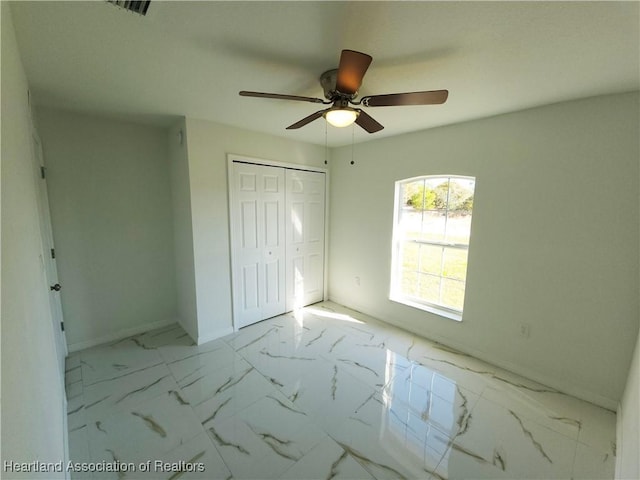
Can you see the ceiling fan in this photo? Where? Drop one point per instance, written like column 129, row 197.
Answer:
column 341, row 89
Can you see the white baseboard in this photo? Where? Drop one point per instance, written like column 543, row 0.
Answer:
column 119, row 335
column 200, row 339
column 214, row 335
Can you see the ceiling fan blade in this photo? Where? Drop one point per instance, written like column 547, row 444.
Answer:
column 279, row 96
column 433, row 97
column 367, row 122
column 306, row 120
column 353, row 66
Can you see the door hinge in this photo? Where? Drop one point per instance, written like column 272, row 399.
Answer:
column 42, row 170
column 53, row 253
column 62, row 326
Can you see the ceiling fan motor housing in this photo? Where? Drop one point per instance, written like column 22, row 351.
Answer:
column 328, row 82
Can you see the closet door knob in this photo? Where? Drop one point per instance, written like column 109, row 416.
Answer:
column 56, row 287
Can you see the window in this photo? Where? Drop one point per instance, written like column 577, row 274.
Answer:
column 432, row 226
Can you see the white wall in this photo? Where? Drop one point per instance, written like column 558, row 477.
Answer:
column 183, row 230
column 33, row 414
column 110, row 195
column 554, row 240
column 208, row 144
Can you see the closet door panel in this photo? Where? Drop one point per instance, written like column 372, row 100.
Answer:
column 297, row 223
column 273, row 248
column 250, row 289
column 258, row 250
column 305, row 237
column 249, row 224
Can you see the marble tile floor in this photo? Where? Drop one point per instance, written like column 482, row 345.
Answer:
column 322, row 393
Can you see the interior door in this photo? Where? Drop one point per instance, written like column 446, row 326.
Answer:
column 48, row 255
column 258, row 242
column 305, row 200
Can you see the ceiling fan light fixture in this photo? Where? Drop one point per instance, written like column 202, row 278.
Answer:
column 341, row 117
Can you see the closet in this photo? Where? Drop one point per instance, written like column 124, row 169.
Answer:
column 277, row 218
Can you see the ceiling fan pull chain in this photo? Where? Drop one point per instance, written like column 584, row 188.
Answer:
column 326, row 145
column 353, row 133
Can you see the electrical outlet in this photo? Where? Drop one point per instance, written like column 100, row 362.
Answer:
column 525, row 330
column 357, row 280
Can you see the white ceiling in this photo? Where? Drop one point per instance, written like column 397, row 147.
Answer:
column 192, row 58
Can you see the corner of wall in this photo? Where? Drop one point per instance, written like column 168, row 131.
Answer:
column 214, row 335
column 183, row 228
column 628, row 423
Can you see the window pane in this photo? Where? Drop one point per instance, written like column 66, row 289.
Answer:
column 431, row 259
column 458, row 228
column 455, row 263
column 413, row 195
column 409, row 284
column 410, row 255
column 461, row 194
column 453, row 293
column 429, row 288
column 438, row 189
column 459, row 210
column 433, row 226
column 410, row 223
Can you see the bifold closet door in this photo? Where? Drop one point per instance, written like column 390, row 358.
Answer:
column 305, row 207
column 258, row 236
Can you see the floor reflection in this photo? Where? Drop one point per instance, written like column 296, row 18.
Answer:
column 326, row 392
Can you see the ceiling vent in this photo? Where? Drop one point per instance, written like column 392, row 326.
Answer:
column 140, row 7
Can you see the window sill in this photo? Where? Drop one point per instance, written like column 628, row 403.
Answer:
column 428, row 308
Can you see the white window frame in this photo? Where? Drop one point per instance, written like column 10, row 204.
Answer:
column 395, row 293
